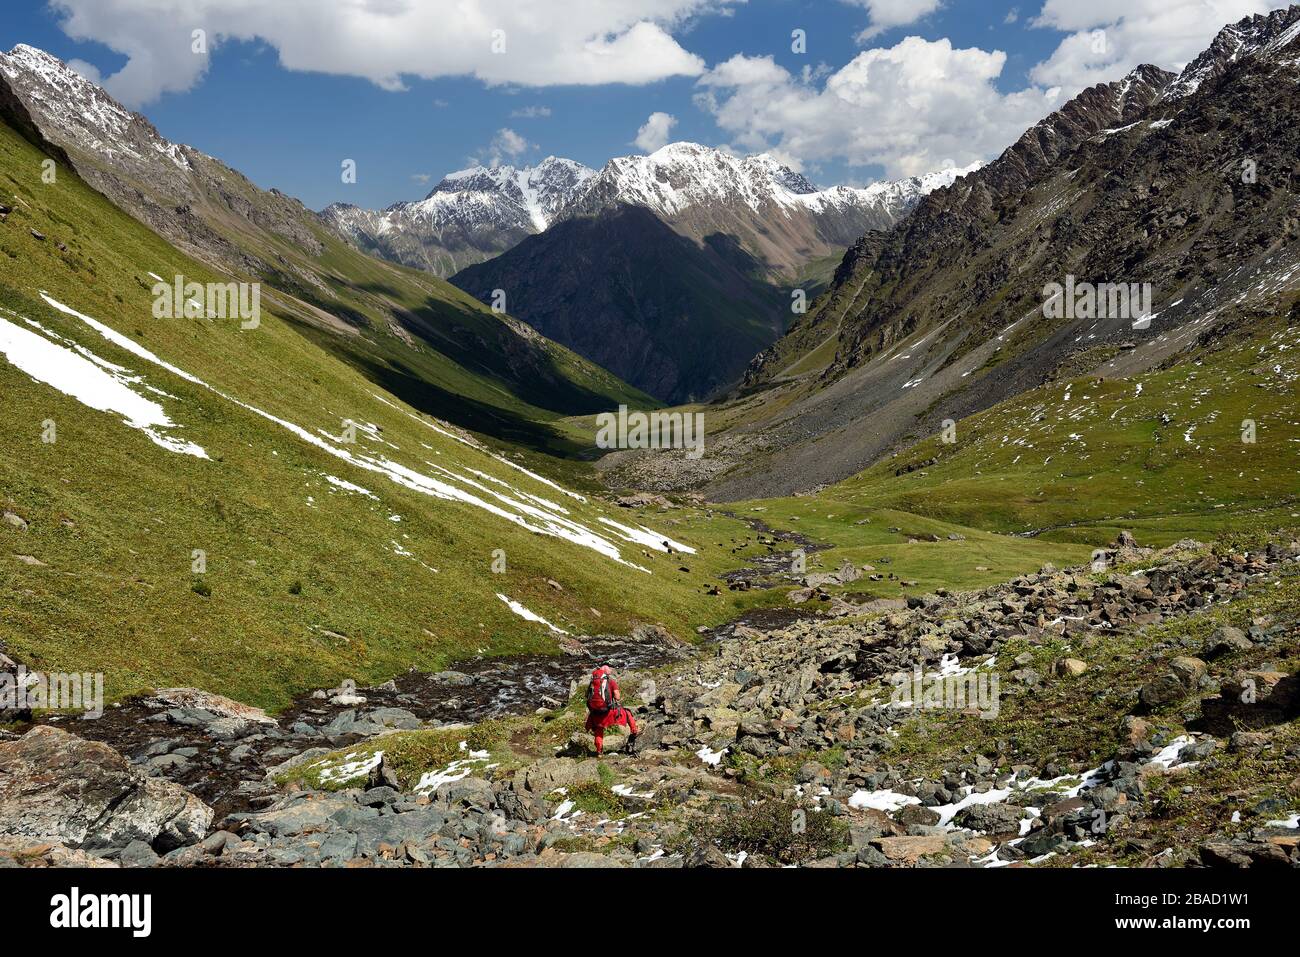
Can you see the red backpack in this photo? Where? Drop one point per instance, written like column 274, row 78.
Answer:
column 599, row 695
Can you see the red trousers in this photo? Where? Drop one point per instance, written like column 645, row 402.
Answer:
column 598, row 721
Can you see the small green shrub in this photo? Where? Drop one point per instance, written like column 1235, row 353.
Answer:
column 596, row 798
column 785, row 831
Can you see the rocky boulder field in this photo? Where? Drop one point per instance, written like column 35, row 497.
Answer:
column 1141, row 711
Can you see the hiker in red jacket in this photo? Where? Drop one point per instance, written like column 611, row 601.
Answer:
column 605, row 708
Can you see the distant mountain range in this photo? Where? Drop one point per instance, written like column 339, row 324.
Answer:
column 480, row 212
column 671, row 269
column 471, row 215
column 777, row 215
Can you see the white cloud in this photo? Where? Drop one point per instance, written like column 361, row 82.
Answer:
column 593, row 42
column 1168, row 33
column 888, row 14
column 506, row 147
column 911, row 108
column 511, row 143
column 654, row 133
column 531, row 112
column 87, row 70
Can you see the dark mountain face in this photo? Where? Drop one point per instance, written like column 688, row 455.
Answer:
column 1142, row 180
column 1185, row 186
column 469, row 216
column 675, row 318
column 886, row 286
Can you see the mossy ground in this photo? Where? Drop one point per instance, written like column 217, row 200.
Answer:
column 788, row 832
column 408, row 754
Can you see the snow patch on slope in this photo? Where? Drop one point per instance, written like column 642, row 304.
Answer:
column 644, row 536
column 527, row 615
column 524, row 514
column 94, row 382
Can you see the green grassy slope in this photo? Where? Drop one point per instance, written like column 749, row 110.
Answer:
column 309, row 583
column 408, row 331
column 912, row 552
column 437, row 347
column 1161, row 453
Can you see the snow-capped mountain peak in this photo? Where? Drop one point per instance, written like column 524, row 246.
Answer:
column 540, row 190
column 1260, row 35
column 907, row 192
column 681, row 176
column 83, row 111
column 480, row 211
column 765, row 164
column 469, row 215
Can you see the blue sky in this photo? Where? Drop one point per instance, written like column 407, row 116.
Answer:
column 409, row 91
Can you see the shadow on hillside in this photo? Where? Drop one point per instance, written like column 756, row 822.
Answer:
column 1222, row 716
column 485, row 344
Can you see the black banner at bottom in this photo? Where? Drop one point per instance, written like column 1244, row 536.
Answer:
column 141, row 909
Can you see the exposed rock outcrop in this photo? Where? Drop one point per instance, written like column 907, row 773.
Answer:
column 59, row 788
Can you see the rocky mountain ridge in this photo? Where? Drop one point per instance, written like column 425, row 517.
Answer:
column 1183, row 184
column 476, row 213
column 164, row 184
column 375, row 313
column 470, row 215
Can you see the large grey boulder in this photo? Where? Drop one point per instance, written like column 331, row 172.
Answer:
column 216, row 704
column 393, row 829
column 551, row 773
column 297, row 814
column 83, row 794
